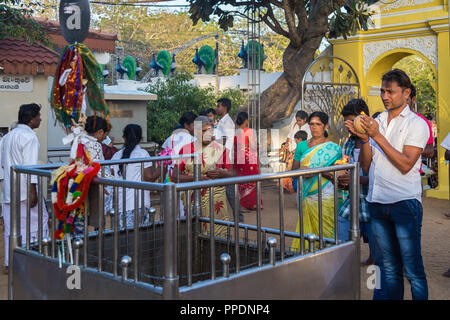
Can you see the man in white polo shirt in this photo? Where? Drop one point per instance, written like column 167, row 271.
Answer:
column 225, row 133
column 390, row 153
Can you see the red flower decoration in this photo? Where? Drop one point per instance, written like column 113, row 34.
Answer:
column 217, row 206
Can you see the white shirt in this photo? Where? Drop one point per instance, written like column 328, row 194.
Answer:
column 386, row 183
column 20, row 146
column 446, row 142
column 178, row 139
column 226, row 127
column 295, row 128
column 133, row 173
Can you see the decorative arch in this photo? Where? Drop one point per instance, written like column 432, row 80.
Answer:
column 384, row 62
column 422, row 46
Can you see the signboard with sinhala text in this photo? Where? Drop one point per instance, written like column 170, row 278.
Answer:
column 16, row 83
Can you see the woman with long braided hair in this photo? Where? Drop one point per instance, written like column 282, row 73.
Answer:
column 132, row 136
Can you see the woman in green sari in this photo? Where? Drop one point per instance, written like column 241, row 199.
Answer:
column 313, row 153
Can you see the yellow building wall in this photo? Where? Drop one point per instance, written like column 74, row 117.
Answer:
column 443, row 114
column 422, row 20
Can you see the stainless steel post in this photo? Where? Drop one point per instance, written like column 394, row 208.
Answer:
column 45, row 243
column 197, row 177
column 28, row 213
column 86, row 240
column 300, row 214
column 312, row 242
column 125, row 262
column 212, row 243
column 272, row 243
column 354, row 221
column 116, row 230
column 40, row 196
column 136, row 234
column 77, row 245
column 236, row 229
column 189, row 238
column 170, row 286
column 226, row 259
column 281, row 212
column 15, row 238
column 101, row 204
column 258, row 221
column 336, row 224
column 319, row 190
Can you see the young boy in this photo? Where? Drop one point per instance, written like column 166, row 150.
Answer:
column 299, row 136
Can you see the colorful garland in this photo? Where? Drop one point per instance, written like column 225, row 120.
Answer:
column 70, row 188
column 78, row 77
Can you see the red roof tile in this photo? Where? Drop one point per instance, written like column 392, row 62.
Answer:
column 20, row 57
column 96, row 39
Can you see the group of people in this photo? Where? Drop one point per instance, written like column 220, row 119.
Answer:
column 228, row 149
column 20, row 147
column 389, row 153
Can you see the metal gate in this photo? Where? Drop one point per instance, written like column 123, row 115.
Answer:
column 328, row 84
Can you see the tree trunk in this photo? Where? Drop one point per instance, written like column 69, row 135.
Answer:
column 278, row 101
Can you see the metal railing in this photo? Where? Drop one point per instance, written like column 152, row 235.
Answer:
column 155, row 250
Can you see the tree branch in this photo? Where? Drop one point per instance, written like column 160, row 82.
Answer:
column 302, row 16
column 290, row 20
column 276, row 27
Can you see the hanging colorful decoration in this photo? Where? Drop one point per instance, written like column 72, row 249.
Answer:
column 78, row 83
column 70, row 185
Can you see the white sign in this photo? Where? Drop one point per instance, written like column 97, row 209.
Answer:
column 16, row 83
column 74, row 21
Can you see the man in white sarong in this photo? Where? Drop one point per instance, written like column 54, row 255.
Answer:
column 20, row 146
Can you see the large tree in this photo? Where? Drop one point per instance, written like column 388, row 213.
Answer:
column 16, row 22
column 304, row 23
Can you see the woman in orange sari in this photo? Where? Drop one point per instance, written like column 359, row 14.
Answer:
column 246, row 160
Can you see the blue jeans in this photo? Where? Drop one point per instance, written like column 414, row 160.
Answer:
column 396, row 230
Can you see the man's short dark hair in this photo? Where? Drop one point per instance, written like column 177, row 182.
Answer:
column 225, row 102
column 354, row 108
column 210, row 110
column 302, row 115
column 413, row 91
column 302, row 135
column 27, row 112
column 399, row 76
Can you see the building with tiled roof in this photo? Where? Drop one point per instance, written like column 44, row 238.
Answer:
column 26, row 76
column 22, row 58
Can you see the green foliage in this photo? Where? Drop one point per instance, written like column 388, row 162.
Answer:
column 206, row 53
column 164, row 59
column 16, row 22
column 423, row 78
column 130, row 64
column 347, row 22
column 177, row 95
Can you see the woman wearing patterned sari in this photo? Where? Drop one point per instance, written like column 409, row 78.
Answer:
column 246, row 160
column 313, row 153
column 215, row 165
